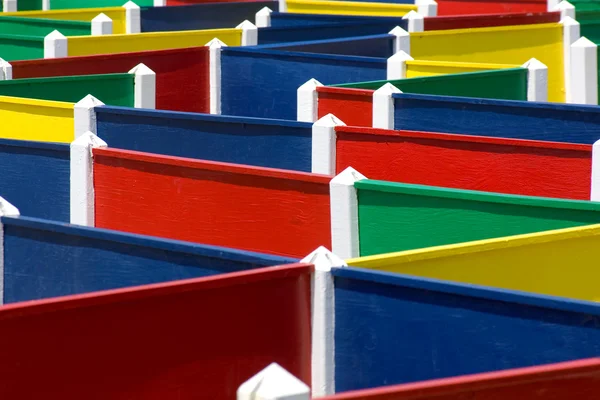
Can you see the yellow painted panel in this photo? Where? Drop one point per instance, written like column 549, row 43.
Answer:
column 40, row 120
column 562, row 262
column 117, row 14
column 505, row 45
column 106, row 44
column 420, row 68
column 348, row 8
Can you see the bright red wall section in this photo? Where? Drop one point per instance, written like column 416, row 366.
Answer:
column 353, row 106
column 482, row 21
column 182, row 75
column 251, row 208
column 468, row 162
column 194, row 339
column 462, row 7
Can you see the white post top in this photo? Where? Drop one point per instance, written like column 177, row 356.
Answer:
column 273, row 383
column 323, row 259
column 7, row 209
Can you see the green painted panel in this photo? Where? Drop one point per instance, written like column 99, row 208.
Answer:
column 65, row 4
column 395, row 216
column 112, row 89
column 29, row 5
column 591, row 30
column 14, row 47
column 585, row 5
column 505, row 84
column 42, row 27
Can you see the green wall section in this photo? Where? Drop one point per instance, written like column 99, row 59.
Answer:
column 64, row 4
column 29, row 5
column 505, row 84
column 585, row 5
column 395, row 216
column 13, row 47
column 591, row 30
column 112, row 89
column 42, row 27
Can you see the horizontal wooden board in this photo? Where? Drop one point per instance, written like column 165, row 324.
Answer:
column 423, row 68
column 74, row 4
column 379, row 45
column 353, row 106
column 461, row 7
column 20, row 47
column 348, row 8
column 42, row 27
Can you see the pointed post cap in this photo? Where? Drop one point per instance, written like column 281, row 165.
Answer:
column 55, row 35
column 534, row 64
column 569, row 21
column 273, row 383
column 141, row 69
column 401, row 56
column 329, row 120
column 130, row 5
column 89, row 101
column 246, row 25
column 263, row 11
column 7, row 209
column 310, row 85
column 564, row 5
column 102, row 18
column 412, row 14
column 387, row 89
column 215, row 43
column 348, row 177
column 323, row 259
column 583, row 42
column 398, row 31
column 89, row 139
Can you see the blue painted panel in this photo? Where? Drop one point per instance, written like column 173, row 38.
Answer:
column 264, row 83
column 324, row 31
column 35, row 178
column 292, row 19
column 499, row 118
column 362, row 46
column 46, row 259
column 392, row 328
column 201, row 16
column 252, row 141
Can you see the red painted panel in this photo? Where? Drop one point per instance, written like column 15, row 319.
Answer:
column 192, row 339
column 465, row 7
column 482, row 21
column 353, row 106
column 257, row 209
column 190, row 2
column 182, row 75
column 562, row 381
column 511, row 166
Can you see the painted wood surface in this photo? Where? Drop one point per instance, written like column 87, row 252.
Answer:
column 591, row 30
column 252, row 141
column 380, row 45
column 275, row 96
column 462, row 7
column 423, row 68
column 69, row 259
column 15, row 47
column 278, row 35
column 26, row 5
column 396, row 216
column 201, row 16
column 387, row 325
column 563, row 381
column 41, row 27
column 106, row 44
column 182, row 81
column 41, row 120
column 353, row 106
column 521, row 167
column 509, row 119
column 189, row 2
column 36, row 177
column 114, row 89
column 348, row 8
column 239, row 206
column 512, row 45
column 74, row 4
column 538, row 263
column 159, row 334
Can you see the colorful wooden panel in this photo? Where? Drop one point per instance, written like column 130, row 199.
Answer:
column 348, row 8
column 13, row 47
column 214, row 203
column 423, row 68
column 180, row 338
column 74, row 4
column 190, row 2
column 380, row 45
column 461, row 7
column 41, row 27
column 24, row 5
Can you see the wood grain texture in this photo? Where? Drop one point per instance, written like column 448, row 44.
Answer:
column 462, row 7
column 16, row 47
column 42, row 27
column 378, row 45
column 522, row 167
column 159, row 341
column 182, row 82
column 509, row 119
column 252, row 141
column 117, row 14
column 214, row 203
column 35, row 178
column 258, row 83
column 561, row 381
column 353, row 106
column 395, row 216
column 392, row 329
column 69, row 259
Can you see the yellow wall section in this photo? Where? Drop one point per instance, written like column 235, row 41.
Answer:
column 88, row 45
column 117, row 14
column 506, row 45
column 419, row 68
column 44, row 121
column 563, row 262
column 348, row 8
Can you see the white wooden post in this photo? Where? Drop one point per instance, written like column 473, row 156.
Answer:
column 282, row 6
column 82, row 178
column 85, row 115
column 551, row 4
column 537, row 80
column 6, row 210
column 416, row 22
column 323, row 320
column 249, row 33
column 133, row 18
column 9, row 5
column 584, row 72
column 396, row 65
column 323, row 145
column 595, row 192
column 344, row 213
column 5, row 70
column 262, row 18
column 273, row 383
column 308, row 101
column 383, row 106
column 214, row 71
column 55, row 45
column 402, row 40
column 571, row 33
column 46, row 5
column 145, row 87
column 427, row 8
column 102, row 25
column 160, row 3
column 566, row 9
